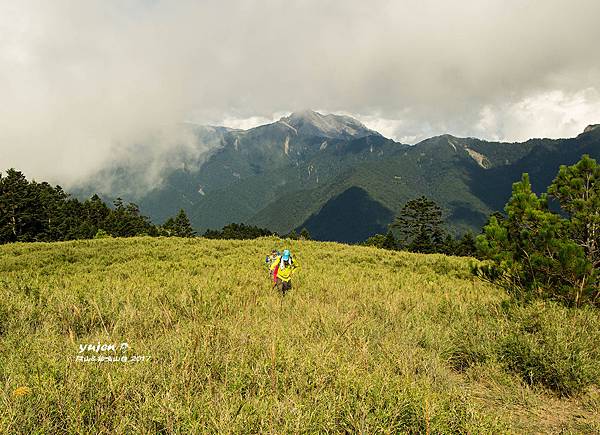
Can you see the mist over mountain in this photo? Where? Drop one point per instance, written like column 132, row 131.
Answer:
column 86, row 85
column 334, row 176
column 311, row 123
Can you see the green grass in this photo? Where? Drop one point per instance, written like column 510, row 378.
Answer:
column 367, row 341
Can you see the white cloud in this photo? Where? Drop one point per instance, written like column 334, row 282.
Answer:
column 79, row 80
column 249, row 122
column 552, row 114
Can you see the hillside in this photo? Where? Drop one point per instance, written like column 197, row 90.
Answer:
column 367, row 341
column 468, row 177
column 305, row 170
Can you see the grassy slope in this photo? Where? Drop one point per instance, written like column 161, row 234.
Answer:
column 385, row 342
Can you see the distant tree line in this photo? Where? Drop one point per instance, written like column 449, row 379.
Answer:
column 419, row 227
column 38, row 212
column 238, row 231
column 304, row 235
column 243, row 231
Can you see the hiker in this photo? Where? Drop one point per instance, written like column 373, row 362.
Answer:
column 282, row 269
column 270, row 259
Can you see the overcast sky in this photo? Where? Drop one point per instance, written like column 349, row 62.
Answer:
column 81, row 81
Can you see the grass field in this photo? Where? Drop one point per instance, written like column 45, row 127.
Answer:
column 367, row 341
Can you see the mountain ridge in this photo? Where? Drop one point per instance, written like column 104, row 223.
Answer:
column 298, row 170
column 332, row 126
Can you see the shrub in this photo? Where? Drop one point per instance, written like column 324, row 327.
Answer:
column 560, row 366
column 101, row 234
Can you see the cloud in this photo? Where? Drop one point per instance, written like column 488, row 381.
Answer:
column 551, row 114
column 83, row 82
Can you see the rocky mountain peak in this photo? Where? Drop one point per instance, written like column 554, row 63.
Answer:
column 311, row 123
column 591, row 127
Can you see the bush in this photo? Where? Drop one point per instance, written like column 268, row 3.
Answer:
column 562, row 367
column 553, row 347
column 380, row 241
column 467, row 350
column 541, row 343
column 101, row 234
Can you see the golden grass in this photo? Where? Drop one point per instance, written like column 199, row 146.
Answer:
column 367, row 341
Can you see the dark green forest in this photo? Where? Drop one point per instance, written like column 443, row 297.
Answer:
column 32, row 211
column 38, row 212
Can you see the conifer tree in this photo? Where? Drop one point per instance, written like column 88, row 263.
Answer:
column 304, row 234
column 389, row 242
column 535, row 252
column 419, row 224
column 181, row 226
column 577, row 190
column 465, row 246
column 168, row 228
column 17, row 208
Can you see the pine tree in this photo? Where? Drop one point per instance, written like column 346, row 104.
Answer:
column 238, row 231
column 465, row 246
column 449, row 245
column 96, row 212
column 127, row 221
column 182, row 226
column 117, row 224
column 419, row 224
column 168, row 228
column 535, row 252
column 212, row 234
column 48, row 214
column 389, row 242
column 17, row 208
column 32, row 211
column 304, row 234
column 376, row 240
column 577, row 190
